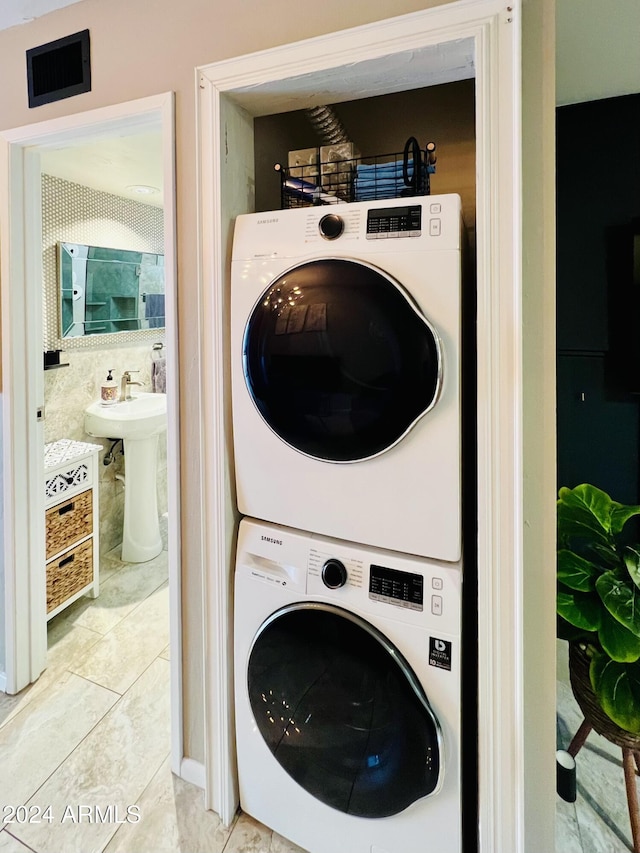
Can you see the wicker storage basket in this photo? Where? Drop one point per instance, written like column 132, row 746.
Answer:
column 588, row 701
column 69, row 574
column 68, row 522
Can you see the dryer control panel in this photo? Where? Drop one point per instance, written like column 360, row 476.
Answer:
column 405, row 589
column 416, row 224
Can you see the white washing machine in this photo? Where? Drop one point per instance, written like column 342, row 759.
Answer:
column 345, row 336
column 347, row 693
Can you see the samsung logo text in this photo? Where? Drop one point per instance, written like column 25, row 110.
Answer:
column 272, row 540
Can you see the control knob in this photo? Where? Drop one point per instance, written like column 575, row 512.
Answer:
column 334, row 574
column 331, row 226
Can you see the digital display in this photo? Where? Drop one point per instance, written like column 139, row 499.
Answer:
column 403, row 589
column 394, row 220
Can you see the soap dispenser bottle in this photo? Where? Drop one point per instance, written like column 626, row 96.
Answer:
column 109, row 390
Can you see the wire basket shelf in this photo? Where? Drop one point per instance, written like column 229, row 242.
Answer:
column 394, row 175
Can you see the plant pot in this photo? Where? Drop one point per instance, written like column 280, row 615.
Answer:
column 595, row 718
column 588, row 701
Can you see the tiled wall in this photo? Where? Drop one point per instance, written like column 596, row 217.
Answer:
column 75, row 213
column 68, row 391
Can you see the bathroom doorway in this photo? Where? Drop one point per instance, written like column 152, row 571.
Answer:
column 38, row 157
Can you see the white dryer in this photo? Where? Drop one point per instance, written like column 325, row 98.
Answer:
column 346, row 371
column 347, row 693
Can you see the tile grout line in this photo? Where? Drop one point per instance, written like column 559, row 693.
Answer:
column 15, row 838
column 79, row 743
column 92, row 649
column 120, row 697
column 46, row 693
column 97, row 684
column 233, row 827
column 82, row 740
column 141, row 795
column 66, row 671
column 134, row 608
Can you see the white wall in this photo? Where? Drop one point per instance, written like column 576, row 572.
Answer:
column 597, row 51
column 141, row 49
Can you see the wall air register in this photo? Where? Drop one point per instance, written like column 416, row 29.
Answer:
column 59, row 69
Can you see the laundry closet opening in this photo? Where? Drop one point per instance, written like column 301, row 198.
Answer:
column 378, row 126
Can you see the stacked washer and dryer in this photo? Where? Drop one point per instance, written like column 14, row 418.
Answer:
column 346, row 392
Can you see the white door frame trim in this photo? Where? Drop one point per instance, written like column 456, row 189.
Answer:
column 495, row 30
column 22, row 466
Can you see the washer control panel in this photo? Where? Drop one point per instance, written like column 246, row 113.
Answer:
column 295, row 565
column 394, row 222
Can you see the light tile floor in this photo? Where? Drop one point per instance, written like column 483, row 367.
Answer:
column 94, row 732
column 598, row 822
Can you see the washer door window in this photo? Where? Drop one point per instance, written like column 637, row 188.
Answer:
column 342, row 712
column 339, row 361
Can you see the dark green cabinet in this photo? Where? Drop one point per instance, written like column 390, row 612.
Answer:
column 598, row 312
column 597, row 429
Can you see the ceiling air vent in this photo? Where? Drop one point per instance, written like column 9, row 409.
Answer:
column 59, row 69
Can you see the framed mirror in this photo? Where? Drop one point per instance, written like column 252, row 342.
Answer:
column 105, row 291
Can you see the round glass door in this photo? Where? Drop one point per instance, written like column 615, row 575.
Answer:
column 342, row 712
column 339, row 361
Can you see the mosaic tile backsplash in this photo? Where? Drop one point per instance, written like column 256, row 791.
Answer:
column 77, row 214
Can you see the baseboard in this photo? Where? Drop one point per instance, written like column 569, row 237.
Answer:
column 3, row 689
column 192, row 771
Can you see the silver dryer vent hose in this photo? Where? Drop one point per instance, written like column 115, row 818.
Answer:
column 327, row 125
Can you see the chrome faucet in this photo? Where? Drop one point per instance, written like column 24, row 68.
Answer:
column 126, row 383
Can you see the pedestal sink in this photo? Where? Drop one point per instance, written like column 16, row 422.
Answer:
column 138, row 422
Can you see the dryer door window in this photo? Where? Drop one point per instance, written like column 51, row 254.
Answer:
column 339, row 361
column 342, row 711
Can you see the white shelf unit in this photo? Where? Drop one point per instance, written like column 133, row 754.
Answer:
column 72, row 522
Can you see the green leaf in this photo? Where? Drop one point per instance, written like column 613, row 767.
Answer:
column 617, row 686
column 621, row 599
column 588, row 511
column 582, row 609
column 587, row 505
column 632, row 561
column 621, row 514
column 576, row 572
column 576, row 522
column 619, row 643
column 607, row 556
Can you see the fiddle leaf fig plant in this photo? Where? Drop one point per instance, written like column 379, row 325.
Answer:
column 598, row 601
